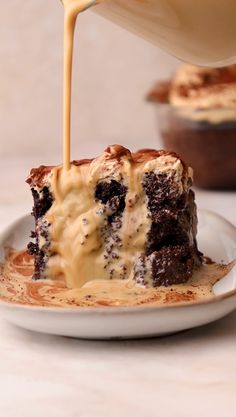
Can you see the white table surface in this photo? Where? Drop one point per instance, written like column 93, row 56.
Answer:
column 185, row 375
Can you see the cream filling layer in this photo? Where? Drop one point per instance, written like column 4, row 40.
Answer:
column 212, row 116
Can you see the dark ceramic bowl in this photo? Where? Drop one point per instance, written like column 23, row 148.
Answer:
column 207, row 145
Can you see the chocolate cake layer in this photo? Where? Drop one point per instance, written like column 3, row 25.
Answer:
column 119, row 216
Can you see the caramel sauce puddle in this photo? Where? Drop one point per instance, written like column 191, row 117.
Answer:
column 17, row 286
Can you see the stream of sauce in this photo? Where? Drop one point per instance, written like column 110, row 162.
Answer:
column 72, row 9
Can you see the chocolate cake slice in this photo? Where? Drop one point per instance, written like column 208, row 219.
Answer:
column 120, row 216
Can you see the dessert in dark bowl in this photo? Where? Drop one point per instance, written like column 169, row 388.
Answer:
column 197, row 119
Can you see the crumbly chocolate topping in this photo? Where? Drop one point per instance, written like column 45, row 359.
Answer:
column 42, row 201
column 112, row 194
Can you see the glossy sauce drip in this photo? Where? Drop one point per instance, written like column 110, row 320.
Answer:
column 72, row 9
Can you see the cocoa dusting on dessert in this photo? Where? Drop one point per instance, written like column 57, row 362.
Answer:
column 16, row 286
column 37, row 176
column 192, row 81
column 198, row 87
column 160, row 92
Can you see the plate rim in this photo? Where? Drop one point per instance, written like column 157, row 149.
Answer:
column 147, row 308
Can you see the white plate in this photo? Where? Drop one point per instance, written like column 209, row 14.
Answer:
column 217, row 239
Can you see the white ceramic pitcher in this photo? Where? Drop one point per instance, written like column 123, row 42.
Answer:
column 202, row 32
